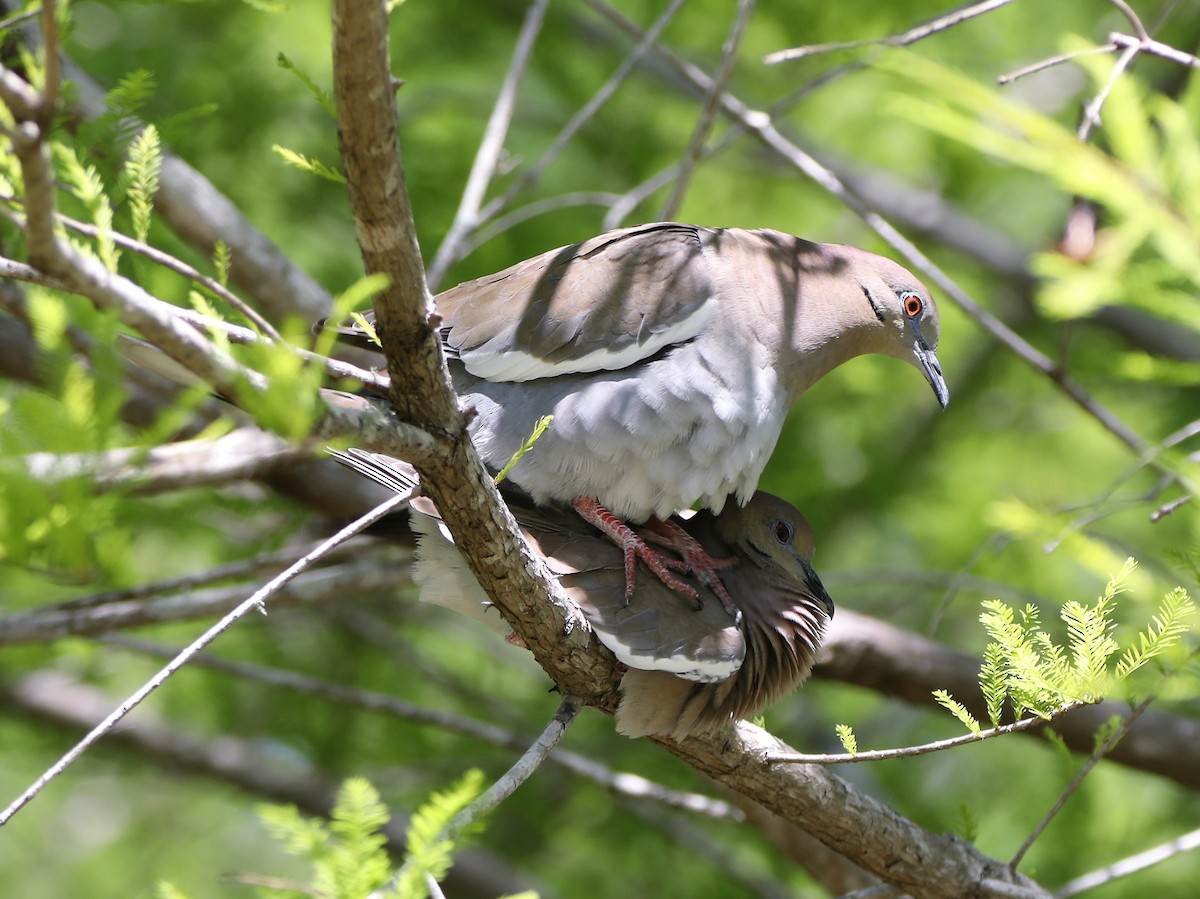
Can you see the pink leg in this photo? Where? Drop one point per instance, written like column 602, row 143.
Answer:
column 699, row 562
column 634, row 548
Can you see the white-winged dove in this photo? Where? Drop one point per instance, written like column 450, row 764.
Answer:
column 691, row 669
column 669, row 356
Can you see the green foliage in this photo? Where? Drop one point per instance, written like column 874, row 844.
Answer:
column 367, row 327
column 142, row 169
column 322, row 95
column 967, row 824
column 85, row 184
column 306, row 164
column 55, row 520
column 1164, row 631
column 165, row 890
column 958, row 710
column 428, row 849
column 530, row 442
column 1025, row 667
column 222, row 258
column 348, row 855
column 845, row 733
column 1149, row 258
column 107, row 134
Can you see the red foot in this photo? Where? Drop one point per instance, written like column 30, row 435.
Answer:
column 635, row 548
column 699, row 562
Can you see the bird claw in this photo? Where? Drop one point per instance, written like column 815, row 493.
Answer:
column 695, row 559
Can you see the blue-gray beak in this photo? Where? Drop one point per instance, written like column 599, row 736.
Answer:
column 932, row 371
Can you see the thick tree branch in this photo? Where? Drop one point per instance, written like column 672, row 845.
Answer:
column 513, row 577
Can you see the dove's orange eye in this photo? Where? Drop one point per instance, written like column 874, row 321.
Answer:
column 912, row 305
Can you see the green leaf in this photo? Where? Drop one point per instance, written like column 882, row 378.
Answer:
column 967, row 825
column 222, row 258
column 1166, row 629
column 367, row 327
column 313, row 166
column 85, row 184
column 992, row 681
column 538, row 430
column 958, row 710
column 845, row 733
column 316, row 90
column 427, row 850
column 142, row 169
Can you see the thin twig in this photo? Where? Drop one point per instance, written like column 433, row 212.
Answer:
column 1084, row 771
column 241, row 454
column 256, row 601
column 764, row 130
column 897, row 40
column 1049, row 62
column 1156, row 48
column 622, row 783
column 1091, row 111
column 520, row 772
column 435, row 889
column 327, row 584
column 1129, row 865
column 51, row 75
column 19, row 271
column 486, row 157
column 33, row 13
column 1134, row 22
column 874, row 755
column 185, row 583
column 167, row 261
column 499, row 225
column 533, row 174
column 708, row 115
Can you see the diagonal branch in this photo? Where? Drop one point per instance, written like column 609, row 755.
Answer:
column 894, row 848
column 512, row 576
column 488, row 154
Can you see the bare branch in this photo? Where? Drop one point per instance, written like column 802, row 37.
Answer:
column 72, row 619
column 514, row 578
column 875, row 755
column 167, row 261
column 1130, row 865
column 897, row 40
column 1156, row 48
column 1051, row 61
column 531, row 175
column 848, row 821
column 622, row 783
column 255, row 601
column 521, row 771
column 1101, row 751
column 56, row 699
column 241, row 454
column 708, row 114
column 486, row 157
column 894, row 662
column 1091, row 111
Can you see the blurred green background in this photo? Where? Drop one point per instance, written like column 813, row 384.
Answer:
column 1013, row 492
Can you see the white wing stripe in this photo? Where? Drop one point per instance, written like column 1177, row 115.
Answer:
column 518, row 365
